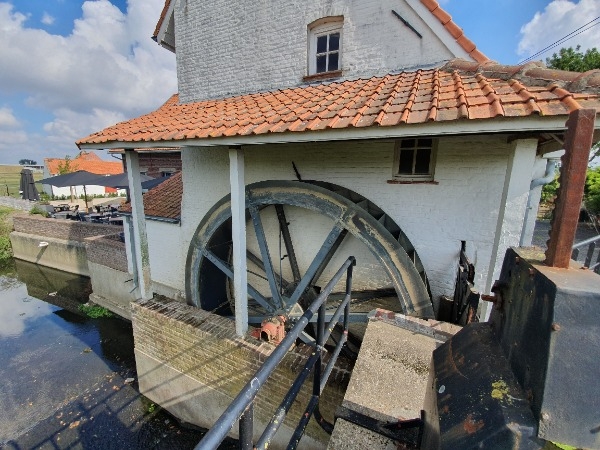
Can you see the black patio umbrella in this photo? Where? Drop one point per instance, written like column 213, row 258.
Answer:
column 118, row 181
column 27, row 186
column 79, row 178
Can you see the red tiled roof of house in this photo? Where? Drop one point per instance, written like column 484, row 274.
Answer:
column 458, row 91
column 455, row 31
column 85, row 161
column 432, row 5
column 164, row 200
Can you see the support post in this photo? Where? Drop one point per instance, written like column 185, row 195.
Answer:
column 238, row 234
column 511, row 210
column 140, row 237
column 578, row 142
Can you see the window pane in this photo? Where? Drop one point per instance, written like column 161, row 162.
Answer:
column 407, row 143
column 333, row 61
column 322, row 44
column 406, row 162
column 321, row 63
column 334, row 42
column 422, row 161
column 425, row 143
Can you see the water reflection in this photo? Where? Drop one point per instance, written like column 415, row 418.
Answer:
column 44, row 304
column 17, row 308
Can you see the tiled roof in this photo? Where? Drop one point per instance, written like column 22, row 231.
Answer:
column 86, row 161
column 163, row 16
column 432, row 5
column 164, row 200
column 436, row 95
column 455, row 31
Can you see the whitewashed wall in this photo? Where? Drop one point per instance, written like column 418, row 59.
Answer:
column 227, row 47
column 471, row 174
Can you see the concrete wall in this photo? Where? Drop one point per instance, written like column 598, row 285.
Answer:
column 66, row 248
column 232, row 47
column 191, row 363
column 82, row 248
column 61, row 254
column 471, row 173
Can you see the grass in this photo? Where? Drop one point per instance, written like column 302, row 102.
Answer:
column 95, row 311
column 5, row 229
column 10, row 180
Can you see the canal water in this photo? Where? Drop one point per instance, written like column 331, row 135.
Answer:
column 68, row 381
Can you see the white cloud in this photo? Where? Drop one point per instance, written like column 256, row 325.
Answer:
column 47, row 19
column 108, row 69
column 7, row 118
column 558, row 19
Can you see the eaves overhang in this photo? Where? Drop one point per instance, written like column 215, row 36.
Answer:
column 517, row 125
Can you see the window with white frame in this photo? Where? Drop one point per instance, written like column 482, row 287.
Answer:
column 414, row 159
column 325, row 45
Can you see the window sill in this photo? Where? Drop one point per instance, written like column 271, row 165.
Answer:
column 323, row 76
column 399, row 181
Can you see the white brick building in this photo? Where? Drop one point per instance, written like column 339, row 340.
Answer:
column 381, row 101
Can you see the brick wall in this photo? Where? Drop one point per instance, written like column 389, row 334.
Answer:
column 108, row 251
column 61, row 229
column 155, row 163
column 205, row 347
column 229, row 47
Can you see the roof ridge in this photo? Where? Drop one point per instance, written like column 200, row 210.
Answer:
column 533, row 74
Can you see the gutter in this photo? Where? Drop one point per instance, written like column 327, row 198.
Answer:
column 551, row 163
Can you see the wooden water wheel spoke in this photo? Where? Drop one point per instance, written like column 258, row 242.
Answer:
column 258, row 262
column 266, row 257
column 287, row 239
column 228, row 271
column 324, row 255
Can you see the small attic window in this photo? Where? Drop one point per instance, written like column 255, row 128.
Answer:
column 325, row 46
column 414, row 159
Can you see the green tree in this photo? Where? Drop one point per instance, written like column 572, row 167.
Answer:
column 577, row 61
column 27, row 162
column 67, row 166
column 591, row 195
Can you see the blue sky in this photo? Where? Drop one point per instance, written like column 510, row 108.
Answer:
column 72, row 67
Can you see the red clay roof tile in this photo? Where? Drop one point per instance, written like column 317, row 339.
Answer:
column 460, row 90
column 163, row 200
column 85, row 161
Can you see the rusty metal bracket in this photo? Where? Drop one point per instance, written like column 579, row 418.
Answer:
column 409, row 432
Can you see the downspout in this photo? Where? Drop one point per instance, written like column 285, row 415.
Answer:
column 551, row 162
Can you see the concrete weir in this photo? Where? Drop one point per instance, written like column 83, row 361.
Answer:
column 389, row 380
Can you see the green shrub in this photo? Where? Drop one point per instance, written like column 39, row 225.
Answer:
column 592, row 191
column 5, row 229
column 37, row 210
column 95, row 311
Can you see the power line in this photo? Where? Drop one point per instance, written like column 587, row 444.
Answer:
column 565, row 38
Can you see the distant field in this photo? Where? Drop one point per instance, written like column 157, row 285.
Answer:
column 10, row 178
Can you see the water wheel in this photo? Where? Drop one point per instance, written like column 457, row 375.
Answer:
column 298, row 235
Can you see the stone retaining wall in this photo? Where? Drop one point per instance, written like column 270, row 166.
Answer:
column 108, row 251
column 192, row 363
column 71, row 230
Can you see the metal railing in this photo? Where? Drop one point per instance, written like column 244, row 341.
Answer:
column 591, row 244
column 242, row 407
